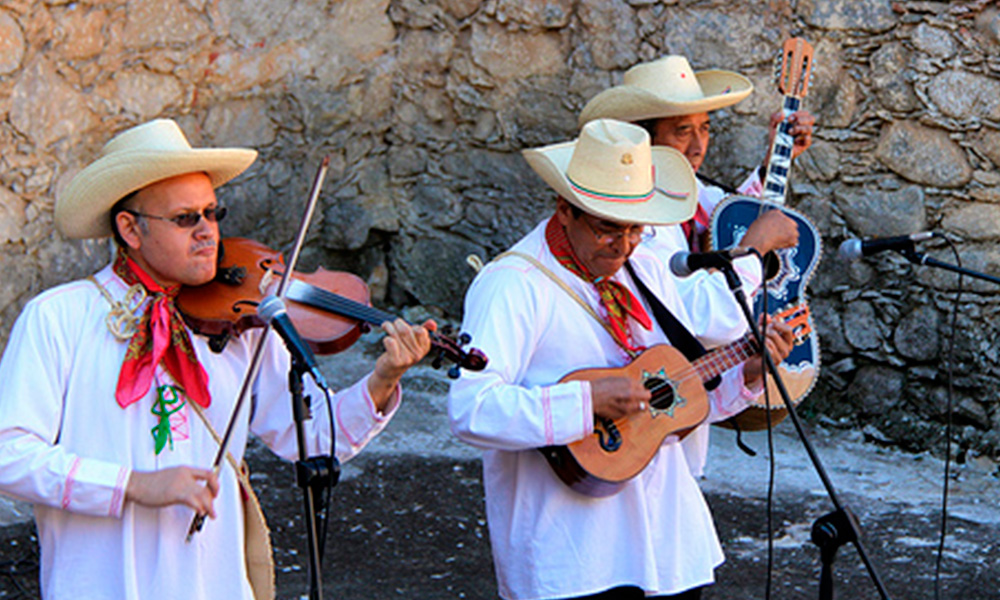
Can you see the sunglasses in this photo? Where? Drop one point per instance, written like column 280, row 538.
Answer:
column 634, row 233
column 189, row 219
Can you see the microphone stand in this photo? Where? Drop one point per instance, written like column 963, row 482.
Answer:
column 299, row 408
column 839, row 527
column 312, row 475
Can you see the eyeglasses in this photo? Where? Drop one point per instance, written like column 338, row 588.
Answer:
column 634, row 233
column 189, row 219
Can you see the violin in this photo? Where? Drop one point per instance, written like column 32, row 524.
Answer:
column 330, row 309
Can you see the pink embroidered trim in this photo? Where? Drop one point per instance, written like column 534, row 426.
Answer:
column 347, row 435
column 588, row 423
column 68, row 488
column 118, row 497
column 547, row 408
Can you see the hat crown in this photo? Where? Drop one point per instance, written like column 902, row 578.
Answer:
column 157, row 135
column 612, row 158
column 670, row 78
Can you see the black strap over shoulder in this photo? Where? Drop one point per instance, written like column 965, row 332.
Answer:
column 677, row 333
column 709, row 181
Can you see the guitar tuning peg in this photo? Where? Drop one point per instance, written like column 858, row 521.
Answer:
column 454, row 372
column 464, row 339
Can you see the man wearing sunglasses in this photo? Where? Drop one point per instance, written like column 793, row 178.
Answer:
column 110, row 405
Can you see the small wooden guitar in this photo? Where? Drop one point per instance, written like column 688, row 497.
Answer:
column 789, row 274
column 600, row 464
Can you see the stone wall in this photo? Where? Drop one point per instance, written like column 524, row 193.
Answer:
column 423, row 107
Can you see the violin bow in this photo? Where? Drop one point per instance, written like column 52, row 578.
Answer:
column 254, row 367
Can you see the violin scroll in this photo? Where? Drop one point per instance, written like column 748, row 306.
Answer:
column 445, row 346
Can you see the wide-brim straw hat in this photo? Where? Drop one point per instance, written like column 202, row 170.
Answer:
column 132, row 160
column 667, row 87
column 612, row 172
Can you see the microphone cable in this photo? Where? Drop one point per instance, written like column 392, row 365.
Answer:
column 772, row 472
column 332, row 478
column 949, row 426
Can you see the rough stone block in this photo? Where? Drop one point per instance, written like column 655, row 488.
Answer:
column 11, row 43
column 923, row 155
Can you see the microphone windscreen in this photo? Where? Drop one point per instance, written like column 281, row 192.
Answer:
column 679, row 264
column 270, row 307
column 850, row 250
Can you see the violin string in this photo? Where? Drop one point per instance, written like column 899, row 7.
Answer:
column 312, row 295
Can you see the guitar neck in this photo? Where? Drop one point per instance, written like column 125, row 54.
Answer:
column 722, row 359
column 780, row 161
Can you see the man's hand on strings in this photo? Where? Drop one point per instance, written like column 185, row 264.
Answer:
column 800, row 127
column 195, row 488
column 771, row 231
column 615, row 397
column 405, row 345
column 779, row 339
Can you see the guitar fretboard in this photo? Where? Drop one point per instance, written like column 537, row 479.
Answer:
column 780, row 162
column 725, row 358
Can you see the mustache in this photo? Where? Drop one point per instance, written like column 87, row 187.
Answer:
column 209, row 243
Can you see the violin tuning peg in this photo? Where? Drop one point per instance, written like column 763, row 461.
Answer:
column 436, row 363
column 454, row 372
column 464, row 339
column 447, row 330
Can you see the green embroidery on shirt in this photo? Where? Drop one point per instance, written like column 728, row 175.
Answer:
column 168, row 401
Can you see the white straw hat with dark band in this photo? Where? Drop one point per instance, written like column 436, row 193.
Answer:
column 612, row 172
column 133, row 159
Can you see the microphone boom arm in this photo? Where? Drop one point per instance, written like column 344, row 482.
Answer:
column 921, row 258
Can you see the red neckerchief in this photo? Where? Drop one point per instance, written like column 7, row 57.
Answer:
column 616, row 298
column 160, row 336
column 691, row 230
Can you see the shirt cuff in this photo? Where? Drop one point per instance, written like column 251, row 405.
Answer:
column 588, row 408
column 751, row 393
column 390, row 407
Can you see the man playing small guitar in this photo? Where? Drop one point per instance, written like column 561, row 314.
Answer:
column 580, row 291
column 672, row 102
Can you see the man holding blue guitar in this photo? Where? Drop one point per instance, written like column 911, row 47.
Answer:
column 608, row 509
column 672, row 102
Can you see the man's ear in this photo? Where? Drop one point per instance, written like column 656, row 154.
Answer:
column 128, row 228
column 563, row 212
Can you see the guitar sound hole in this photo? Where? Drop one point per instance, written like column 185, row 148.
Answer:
column 772, row 265
column 663, row 393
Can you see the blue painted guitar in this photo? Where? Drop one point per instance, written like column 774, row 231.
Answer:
column 788, row 271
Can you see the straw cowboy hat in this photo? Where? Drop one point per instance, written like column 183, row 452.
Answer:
column 666, row 87
column 133, row 159
column 611, row 171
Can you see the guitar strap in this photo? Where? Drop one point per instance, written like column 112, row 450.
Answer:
column 562, row 285
column 677, row 333
column 709, row 181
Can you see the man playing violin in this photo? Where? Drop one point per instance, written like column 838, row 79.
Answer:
column 672, row 102
column 107, row 396
column 567, row 297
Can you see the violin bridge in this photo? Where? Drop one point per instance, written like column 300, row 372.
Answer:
column 265, row 282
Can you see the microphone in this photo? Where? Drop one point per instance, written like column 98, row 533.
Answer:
column 683, row 264
column 272, row 310
column 855, row 249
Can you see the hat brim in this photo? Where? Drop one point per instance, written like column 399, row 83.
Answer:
column 82, row 208
column 675, row 194
column 633, row 103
